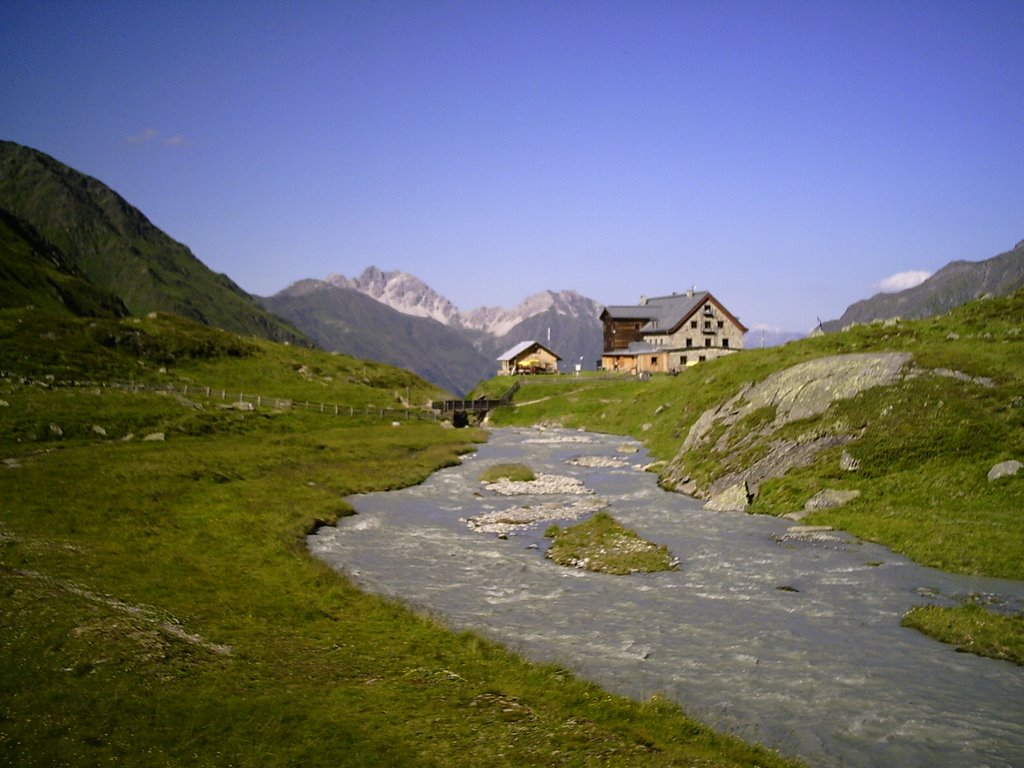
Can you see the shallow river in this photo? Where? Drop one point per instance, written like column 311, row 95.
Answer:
column 793, row 644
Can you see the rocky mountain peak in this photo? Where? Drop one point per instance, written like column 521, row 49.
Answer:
column 410, row 295
column 401, row 291
column 499, row 321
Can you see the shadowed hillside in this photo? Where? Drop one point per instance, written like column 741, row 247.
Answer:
column 34, row 272
column 107, row 241
column 346, row 320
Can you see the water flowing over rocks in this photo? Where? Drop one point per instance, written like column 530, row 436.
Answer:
column 784, row 635
column 818, row 534
column 597, row 461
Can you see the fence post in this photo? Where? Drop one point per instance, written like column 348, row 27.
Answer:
column 259, row 400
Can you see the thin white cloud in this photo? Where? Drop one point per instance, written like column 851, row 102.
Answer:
column 152, row 134
column 143, row 138
column 902, row 280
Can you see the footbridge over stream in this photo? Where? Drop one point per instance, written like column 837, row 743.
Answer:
column 461, row 410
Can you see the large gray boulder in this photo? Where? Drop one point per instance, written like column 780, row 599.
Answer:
column 735, row 498
column 1005, row 469
column 829, row 498
column 802, row 391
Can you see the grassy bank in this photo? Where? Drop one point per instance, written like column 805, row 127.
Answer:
column 972, row 629
column 159, row 607
column 601, row 544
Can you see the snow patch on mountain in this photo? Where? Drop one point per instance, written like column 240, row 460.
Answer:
column 410, row 295
column 498, row 321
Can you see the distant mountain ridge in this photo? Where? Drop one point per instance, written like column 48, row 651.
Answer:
column 411, row 296
column 955, row 284
column 565, row 321
column 342, row 319
column 86, row 231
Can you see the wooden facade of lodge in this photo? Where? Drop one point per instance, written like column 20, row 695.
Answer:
column 667, row 334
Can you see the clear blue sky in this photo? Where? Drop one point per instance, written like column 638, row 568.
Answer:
column 787, row 156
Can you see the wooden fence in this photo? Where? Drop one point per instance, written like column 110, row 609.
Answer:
column 249, row 401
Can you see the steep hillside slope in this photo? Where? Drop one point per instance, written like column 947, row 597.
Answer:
column 956, row 283
column 113, row 245
column 345, row 320
column 34, row 272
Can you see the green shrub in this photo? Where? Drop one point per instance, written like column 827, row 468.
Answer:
column 513, row 472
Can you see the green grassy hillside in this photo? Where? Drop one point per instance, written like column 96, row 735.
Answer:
column 33, row 272
column 158, row 605
column 114, row 246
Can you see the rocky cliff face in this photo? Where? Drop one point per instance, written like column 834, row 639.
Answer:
column 499, row 321
column 741, row 434
column 403, row 292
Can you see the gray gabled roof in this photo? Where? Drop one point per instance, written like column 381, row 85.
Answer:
column 662, row 313
column 521, row 347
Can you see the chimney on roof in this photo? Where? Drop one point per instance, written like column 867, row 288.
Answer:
column 643, row 301
column 689, row 292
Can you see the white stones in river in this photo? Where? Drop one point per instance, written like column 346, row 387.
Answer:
column 506, row 521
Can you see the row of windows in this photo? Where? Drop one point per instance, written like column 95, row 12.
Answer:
column 689, row 345
column 660, row 341
column 707, row 343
